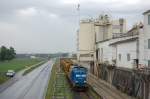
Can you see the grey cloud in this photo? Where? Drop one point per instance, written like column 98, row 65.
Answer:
column 53, row 27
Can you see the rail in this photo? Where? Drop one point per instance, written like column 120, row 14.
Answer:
column 81, row 95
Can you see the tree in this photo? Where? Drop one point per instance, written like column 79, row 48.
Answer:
column 7, row 54
column 3, row 53
column 12, row 52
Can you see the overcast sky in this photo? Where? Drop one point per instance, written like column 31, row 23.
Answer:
column 47, row 26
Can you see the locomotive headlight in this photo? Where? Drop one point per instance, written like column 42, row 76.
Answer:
column 77, row 75
column 83, row 75
column 76, row 81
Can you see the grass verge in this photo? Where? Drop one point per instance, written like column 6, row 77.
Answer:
column 16, row 65
column 3, row 78
column 49, row 92
column 33, row 67
column 58, row 85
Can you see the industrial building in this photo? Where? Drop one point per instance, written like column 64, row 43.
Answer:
column 104, row 40
column 93, row 31
column 118, row 56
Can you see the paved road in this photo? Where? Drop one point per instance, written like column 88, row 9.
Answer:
column 31, row 86
column 12, row 80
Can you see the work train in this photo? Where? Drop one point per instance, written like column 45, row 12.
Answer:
column 77, row 75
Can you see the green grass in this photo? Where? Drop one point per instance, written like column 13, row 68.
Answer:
column 49, row 92
column 3, row 79
column 16, row 65
column 58, row 84
column 33, row 67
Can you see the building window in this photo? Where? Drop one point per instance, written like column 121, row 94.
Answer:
column 105, row 32
column 119, row 57
column 97, row 53
column 148, row 19
column 148, row 43
column 101, row 55
column 128, row 57
column 148, row 63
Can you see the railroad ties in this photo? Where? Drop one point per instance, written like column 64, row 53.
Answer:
column 61, row 87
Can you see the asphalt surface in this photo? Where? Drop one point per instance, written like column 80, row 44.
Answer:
column 12, row 80
column 31, row 86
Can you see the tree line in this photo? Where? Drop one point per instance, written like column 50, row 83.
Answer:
column 7, row 53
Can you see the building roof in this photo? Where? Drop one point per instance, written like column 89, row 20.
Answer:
column 125, row 40
column 148, row 11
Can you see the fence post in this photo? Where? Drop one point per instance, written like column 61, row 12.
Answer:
column 110, row 73
column 146, row 87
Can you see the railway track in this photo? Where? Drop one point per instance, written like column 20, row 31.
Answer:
column 81, row 95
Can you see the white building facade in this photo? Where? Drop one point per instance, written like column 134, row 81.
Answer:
column 104, row 53
column 126, row 52
column 145, row 41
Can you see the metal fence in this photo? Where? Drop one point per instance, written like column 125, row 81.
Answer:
column 120, row 35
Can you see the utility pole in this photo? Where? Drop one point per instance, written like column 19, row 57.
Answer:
column 78, row 9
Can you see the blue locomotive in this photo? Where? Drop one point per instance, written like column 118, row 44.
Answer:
column 78, row 77
column 76, row 74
